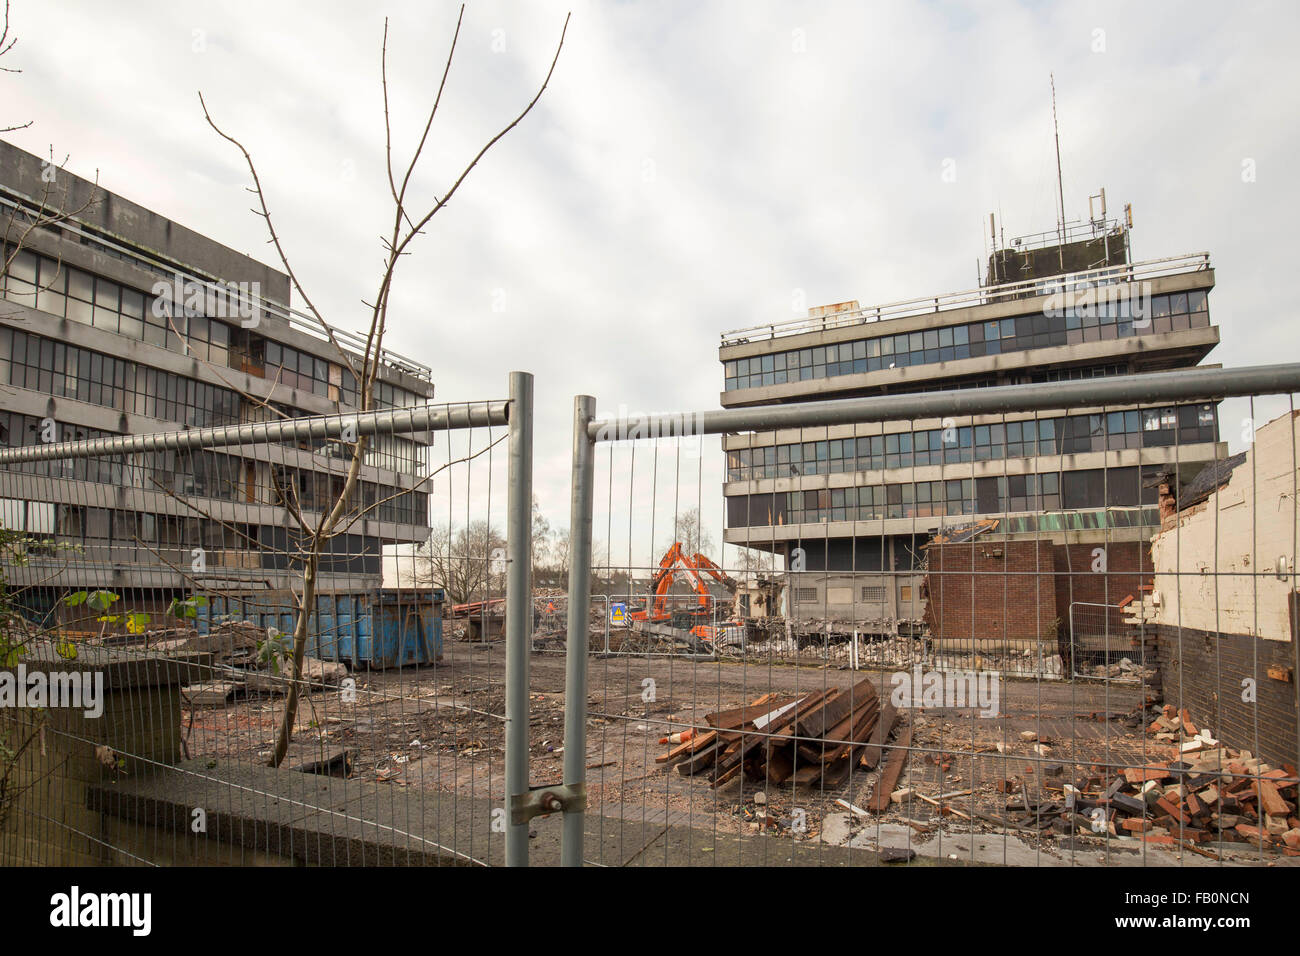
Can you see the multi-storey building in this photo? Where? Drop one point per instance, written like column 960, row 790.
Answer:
column 862, row 500
column 119, row 321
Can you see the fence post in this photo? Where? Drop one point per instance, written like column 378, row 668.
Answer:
column 519, row 608
column 575, row 678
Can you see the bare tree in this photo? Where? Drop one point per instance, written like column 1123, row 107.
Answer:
column 467, row 563
column 409, row 220
column 543, row 537
column 688, row 528
column 754, row 560
column 7, row 43
column 52, row 205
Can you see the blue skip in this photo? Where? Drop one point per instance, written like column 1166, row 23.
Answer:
column 389, row 627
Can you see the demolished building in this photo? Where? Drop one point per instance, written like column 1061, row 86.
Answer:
column 850, row 507
column 1224, row 605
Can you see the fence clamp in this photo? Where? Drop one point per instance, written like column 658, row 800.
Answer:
column 539, row 801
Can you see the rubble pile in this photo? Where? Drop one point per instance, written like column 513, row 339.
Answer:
column 243, row 664
column 1126, row 670
column 1205, row 793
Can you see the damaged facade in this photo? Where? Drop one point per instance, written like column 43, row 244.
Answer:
column 1224, row 604
column 862, row 501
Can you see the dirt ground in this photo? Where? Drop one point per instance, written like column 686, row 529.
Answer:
column 441, row 728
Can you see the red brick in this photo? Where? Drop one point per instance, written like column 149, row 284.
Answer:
column 1137, row 775
column 1253, row 834
column 1157, row 838
column 1171, row 807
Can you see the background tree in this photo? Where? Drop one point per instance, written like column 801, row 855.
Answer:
column 754, row 560
column 688, row 528
column 467, row 563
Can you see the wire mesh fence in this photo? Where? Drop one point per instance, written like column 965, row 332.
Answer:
column 253, row 644
column 1101, row 641
column 1042, row 625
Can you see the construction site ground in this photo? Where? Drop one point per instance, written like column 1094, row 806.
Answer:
column 440, row 729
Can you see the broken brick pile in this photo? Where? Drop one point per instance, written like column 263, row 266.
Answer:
column 1206, row 793
column 1211, row 791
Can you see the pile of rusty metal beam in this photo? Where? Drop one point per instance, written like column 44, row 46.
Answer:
column 816, row 739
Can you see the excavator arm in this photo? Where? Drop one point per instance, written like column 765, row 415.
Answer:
column 719, row 575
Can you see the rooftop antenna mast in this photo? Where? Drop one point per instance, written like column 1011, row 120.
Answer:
column 1060, row 188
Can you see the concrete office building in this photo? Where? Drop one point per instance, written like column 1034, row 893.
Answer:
column 84, row 353
column 861, row 501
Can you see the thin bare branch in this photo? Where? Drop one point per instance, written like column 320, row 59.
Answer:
column 265, row 213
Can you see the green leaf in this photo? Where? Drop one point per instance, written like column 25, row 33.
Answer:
column 187, row 607
column 101, row 600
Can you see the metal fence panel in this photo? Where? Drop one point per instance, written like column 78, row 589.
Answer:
column 152, row 587
column 1072, row 654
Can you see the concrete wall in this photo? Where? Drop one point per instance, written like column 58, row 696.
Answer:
column 1224, row 616
column 878, row 603
column 1216, row 561
column 48, row 821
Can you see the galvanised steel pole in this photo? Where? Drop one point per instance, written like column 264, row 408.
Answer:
column 519, row 608
column 420, row 418
column 1194, row 384
column 575, row 679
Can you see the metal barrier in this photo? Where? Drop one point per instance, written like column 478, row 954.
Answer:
column 252, row 621
column 1100, row 635
column 890, row 661
column 1041, row 503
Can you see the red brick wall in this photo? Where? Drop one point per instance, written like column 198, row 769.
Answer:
column 1014, row 585
column 1128, row 567
column 1019, row 595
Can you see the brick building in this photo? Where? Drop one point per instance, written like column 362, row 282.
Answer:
column 993, row 594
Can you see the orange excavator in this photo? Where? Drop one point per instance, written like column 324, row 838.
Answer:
column 698, row 620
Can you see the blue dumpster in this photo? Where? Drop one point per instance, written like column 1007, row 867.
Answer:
column 389, row 627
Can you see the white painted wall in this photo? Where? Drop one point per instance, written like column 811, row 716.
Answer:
column 1241, row 530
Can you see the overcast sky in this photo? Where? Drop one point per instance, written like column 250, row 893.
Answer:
column 693, row 168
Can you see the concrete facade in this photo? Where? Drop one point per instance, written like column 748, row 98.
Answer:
column 856, row 504
column 94, row 342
